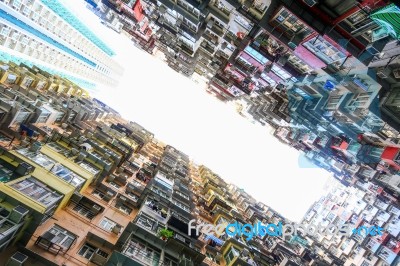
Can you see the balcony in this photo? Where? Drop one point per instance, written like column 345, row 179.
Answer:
column 209, row 262
column 56, row 240
column 207, row 47
column 155, row 211
column 143, row 255
column 84, row 207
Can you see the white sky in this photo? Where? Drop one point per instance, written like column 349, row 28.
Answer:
column 180, row 112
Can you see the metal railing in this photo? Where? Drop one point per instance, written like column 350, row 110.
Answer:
column 82, row 210
column 148, row 258
column 51, row 247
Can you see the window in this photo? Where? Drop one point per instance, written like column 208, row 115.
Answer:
column 243, row 22
column 146, row 222
column 230, row 255
column 67, row 175
column 17, row 3
column 87, row 251
column 159, row 192
column 181, row 205
column 243, row 62
column 182, row 194
column 170, row 262
column 290, row 24
column 357, row 17
column 125, row 209
column 164, row 183
column 37, row 191
column 256, row 55
column 211, row 256
column 19, row 118
column 222, row 220
column 268, row 79
column 302, row 93
column 325, row 50
column 143, row 253
column 5, row 31
column 62, row 237
column 107, row 224
column 280, row 72
column 376, row 152
column 397, row 159
column 11, row 78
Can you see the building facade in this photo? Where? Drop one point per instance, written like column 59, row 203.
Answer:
column 46, row 33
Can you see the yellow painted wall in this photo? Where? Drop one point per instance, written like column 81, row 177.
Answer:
column 50, row 179
column 66, row 162
column 6, row 189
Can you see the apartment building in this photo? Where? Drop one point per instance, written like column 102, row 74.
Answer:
column 46, row 33
column 92, row 188
column 364, row 205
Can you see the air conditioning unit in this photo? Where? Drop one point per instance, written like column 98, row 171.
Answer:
column 35, row 147
column 108, row 196
column 280, row 86
column 396, row 73
column 24, row 169
column 295, row 41
column 283, row 60
column 99, row 257
column 311, row 3
column 116, row 229
column 81, row 156
column 383, row 72
column 17, row 259
column 76, row 197
column 73, row 152
column 18, row 214
column 96, row 209
column 375, row 47
column 2, row 197
column 111, row 178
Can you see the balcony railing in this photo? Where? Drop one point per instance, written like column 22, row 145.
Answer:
column 43, row 242
column 142, row 256
column 84, row 211
column 209, row 262
column 156, row 212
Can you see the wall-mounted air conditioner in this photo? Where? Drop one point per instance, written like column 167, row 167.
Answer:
column 24, row 169
column 110, row 178
column 396, row 73
column 116, row 229
column 17, row 259
column 383, row 72
column 96, row 209
column 18, row 214
column 99, row 257
column 76, row 197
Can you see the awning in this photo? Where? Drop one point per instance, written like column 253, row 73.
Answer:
column 389, row 18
